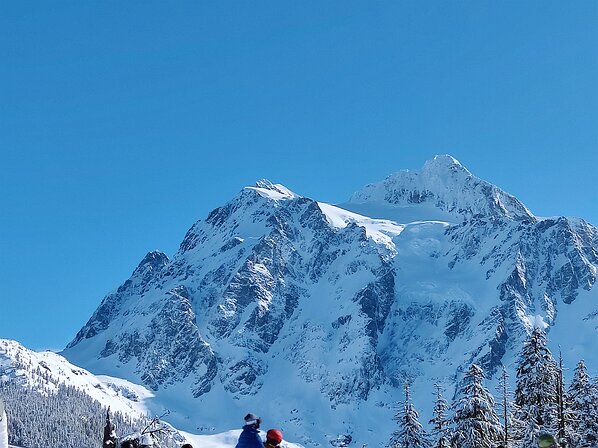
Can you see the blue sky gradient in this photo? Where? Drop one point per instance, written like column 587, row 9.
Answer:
column 122, row 123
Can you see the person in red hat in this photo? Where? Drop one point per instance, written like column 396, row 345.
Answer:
column 273, row 438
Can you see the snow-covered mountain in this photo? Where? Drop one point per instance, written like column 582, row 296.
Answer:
column 312, row 314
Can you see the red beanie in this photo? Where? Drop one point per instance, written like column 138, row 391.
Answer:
column 274, row 435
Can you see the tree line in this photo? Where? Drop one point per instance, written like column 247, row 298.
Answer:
column 541, row 403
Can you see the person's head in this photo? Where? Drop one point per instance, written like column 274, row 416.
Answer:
column 547, row 441
column 274, row 437
column 252, row 420
column 187, row 445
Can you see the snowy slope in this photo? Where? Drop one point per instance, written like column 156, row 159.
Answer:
column 312, row 315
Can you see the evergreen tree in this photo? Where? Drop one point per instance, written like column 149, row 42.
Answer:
column 560, row 399
column 476, row 424
column 109, row 432
column 411, row 434
column 565, row 415
column 3, row 427
column 440, row 422
column 505, row 406
column 584, row 408
column 535, row 391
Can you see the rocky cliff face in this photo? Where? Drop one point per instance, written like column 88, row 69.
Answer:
column 278, row 302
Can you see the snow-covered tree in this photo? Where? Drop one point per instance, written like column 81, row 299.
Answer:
column 109, row 432
column 411, row 434
column 505, row 406
column 565, row 414
column 476, row 424
column 584, row 408
column 3, row 427
column 439, row 422
column 536, row 391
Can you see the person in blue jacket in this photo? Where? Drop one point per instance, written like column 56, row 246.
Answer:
column 250, row 437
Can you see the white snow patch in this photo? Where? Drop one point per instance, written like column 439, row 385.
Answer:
column 380, row 230
column 536, row 321
column 276, row 191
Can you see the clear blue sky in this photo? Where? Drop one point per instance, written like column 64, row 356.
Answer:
column 122, row 123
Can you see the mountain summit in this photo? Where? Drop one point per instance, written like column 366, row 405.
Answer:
column 447, row 185
column 314, row 314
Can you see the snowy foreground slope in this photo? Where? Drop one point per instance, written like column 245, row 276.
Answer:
column 312, row 315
